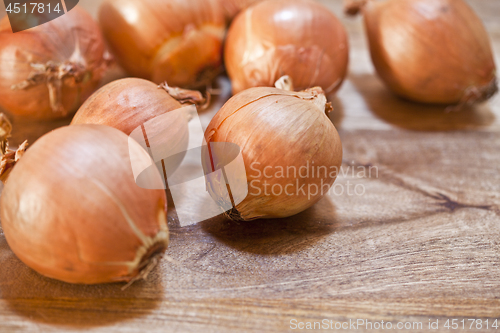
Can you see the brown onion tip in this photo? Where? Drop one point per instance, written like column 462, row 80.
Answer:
column 473, row 95
column 148, row 262
column 52, row 74
column 487, row 91
column 328, row 107
column 186, row 96
column 234, row 214
column 353, row 7
column 149, row 255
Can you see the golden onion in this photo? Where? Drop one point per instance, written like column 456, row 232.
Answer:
column 166, row 40
column 71, row 209
column 48, row 71
column 430, row 51
column 291, row 150
column 298, row 38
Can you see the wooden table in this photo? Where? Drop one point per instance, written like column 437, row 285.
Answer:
column 420, row 245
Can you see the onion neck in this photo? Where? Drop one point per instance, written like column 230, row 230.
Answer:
column 285, row 83
column 354, row 7
column 56, row 74
column 319, row 99
column 315, row 94
column 480, row 94
column 234, row 215
column 53, row 74
column 150, row 253
column 186, row 96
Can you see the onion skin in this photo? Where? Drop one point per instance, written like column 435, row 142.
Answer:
column 71, row 209
column 76, row 41
column 125, row 104
column 431, row 51
column 277, row 128
column 299, row 38
column 179, row 41
column 129, row 103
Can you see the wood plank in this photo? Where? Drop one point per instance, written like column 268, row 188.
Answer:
column 421, row 243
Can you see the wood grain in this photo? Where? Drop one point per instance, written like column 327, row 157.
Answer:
column 421, row 243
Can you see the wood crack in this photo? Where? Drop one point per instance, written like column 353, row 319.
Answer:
column 443, row 197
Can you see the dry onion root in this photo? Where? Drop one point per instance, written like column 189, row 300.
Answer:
column 46, row 72
column 72, row 211
column 9, row 156
column 279, row 132
column 298, row 38
column 166, row 40
column 9, row 159
column 429, row 51
column 5, row 130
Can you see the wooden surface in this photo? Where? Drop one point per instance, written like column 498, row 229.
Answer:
column 422, row 242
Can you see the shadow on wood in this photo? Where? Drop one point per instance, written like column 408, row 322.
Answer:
column 337, row 115
column 418, row 117
column 276, row 236
column 44, row 300
column 220, row 93
column 31, row 130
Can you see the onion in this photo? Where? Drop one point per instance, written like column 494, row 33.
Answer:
column 46, row 72
column 298, row 38
column 72, row 211
column 128, row 103
column 430, row 51
column 178, row 41
column 287, row 142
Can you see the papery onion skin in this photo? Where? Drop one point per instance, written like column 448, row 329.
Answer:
column 71, row 209
column 125, row 104
column 299, row 38
column 431, row 51
column 275, row 129
column 72, row 38
column 178, row 41
column 130, row 103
